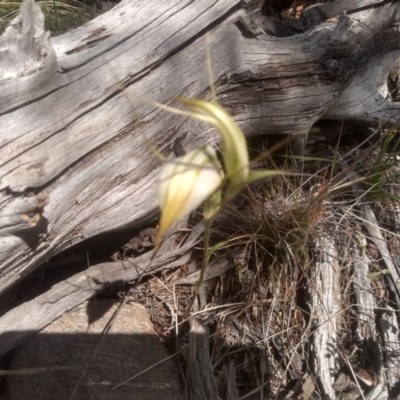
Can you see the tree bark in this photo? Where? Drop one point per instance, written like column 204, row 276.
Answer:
column 75, row 159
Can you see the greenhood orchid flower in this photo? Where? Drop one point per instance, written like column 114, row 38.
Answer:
column 197, row 177
column 186, row 183
column 234, row 146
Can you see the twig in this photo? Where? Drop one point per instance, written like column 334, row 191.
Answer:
column 103, row 336
column 147, row 369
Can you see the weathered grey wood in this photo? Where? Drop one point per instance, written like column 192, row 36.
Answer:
column 101, row 351
column 199, row 373
column 365, row 307
column 25, row 48
column 376, row 236
column 363, row 291
column 391, row 341
column 227, row 383
column 30, row 317
column 22, row 214
column 325, row 308
column 78, row 140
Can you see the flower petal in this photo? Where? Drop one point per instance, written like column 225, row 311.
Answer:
column 185, row 184
column 234, row 146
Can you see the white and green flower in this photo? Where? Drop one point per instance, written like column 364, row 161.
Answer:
column 185, row 183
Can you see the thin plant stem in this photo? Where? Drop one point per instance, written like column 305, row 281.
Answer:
column 55, row 15
column 197, row 286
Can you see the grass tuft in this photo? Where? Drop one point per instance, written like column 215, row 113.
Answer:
column 60, row 16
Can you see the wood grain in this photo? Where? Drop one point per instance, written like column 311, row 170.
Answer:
column 73, row 135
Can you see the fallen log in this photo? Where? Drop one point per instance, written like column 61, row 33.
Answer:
column 75, row 160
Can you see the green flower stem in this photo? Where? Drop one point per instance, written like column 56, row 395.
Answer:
column 206, row 257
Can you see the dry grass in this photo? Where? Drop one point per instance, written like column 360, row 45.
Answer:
column 60, row 16
column 259, row 312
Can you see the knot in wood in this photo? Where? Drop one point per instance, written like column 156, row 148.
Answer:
column 334, row 66
column 337, row 63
